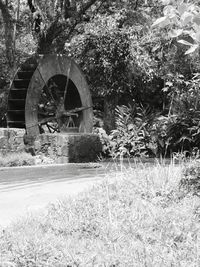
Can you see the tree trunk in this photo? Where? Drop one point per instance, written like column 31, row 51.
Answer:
column 110, row 103
column 45, row 45
column 9, row 33
column 58, row 31
column 15, row 23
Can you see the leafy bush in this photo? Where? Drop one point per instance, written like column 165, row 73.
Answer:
column 132, row 134
column 140, row 131
column 179, row 131
column 104, row 56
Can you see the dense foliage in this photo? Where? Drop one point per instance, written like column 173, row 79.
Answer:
column 139, row 58
column 105, row 56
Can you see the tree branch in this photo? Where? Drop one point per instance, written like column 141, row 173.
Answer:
column 87, row 5
column 136, row 5
column 57, row 29
column 5, row 11
column 80, row 14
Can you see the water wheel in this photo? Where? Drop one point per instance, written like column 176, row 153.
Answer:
column 50, row 94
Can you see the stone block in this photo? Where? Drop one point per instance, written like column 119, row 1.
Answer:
column 60, row 139
column 37, row 145
column 84, row 147
column 11, row 139
column 65, row 151
column 3, row 142
column 59, row 147
column 61, row 160
column 59, row 151
column 3, row 132
column 50, row 152
column 74, row 147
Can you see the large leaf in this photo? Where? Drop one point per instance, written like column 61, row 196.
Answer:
column 169, row 84
column 166, row 2
column 183, row 7
column 197, row 36
column 169, row 11
column 160, row 22
column 196, row 19
column 175, row 33
column 191, row 49
column 184, row 42
column 186, row 18
column 155, row 48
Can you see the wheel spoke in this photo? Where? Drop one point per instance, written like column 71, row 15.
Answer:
column 67, row 82
column 50, row 96
column 52, row 114
column 77, row 109
column 46, row 120
column 47, row 89
column 70, row 122
column 53, row 128
column 48, row 127
column 46, row 114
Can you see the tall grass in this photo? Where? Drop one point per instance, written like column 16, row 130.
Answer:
column 136, row 217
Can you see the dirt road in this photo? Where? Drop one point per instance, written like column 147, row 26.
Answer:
column 28, row 189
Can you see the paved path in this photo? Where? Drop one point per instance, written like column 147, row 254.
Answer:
column 26, row 189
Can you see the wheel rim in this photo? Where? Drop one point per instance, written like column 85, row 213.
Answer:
column 52, row 113
column 48, row 108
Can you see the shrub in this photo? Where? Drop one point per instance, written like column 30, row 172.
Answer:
column 179, row 131
column 132, row 136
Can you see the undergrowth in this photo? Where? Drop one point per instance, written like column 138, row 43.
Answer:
column 137, row 217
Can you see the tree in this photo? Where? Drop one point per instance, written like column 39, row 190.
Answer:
column 55, row 22
column 180, row 21
column 8, row 32
column 113, row 57
column 105, row 59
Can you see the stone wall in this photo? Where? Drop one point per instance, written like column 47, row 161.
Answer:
column 11, row 140
column 60, row 147
column 69, row 147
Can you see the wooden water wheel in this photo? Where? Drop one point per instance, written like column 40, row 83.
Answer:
column 50, row 94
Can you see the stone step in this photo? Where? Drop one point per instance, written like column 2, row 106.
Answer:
column 28, row 67
column 25, row 75
column 16, row 115
column 16, row 124
column 21, row 83
column 18, row 93
column 16, row 104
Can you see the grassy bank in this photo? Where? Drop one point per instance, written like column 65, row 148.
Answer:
column 22, row 159
column 141, row 217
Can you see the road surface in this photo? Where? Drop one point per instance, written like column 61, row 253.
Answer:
column 29, row 189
